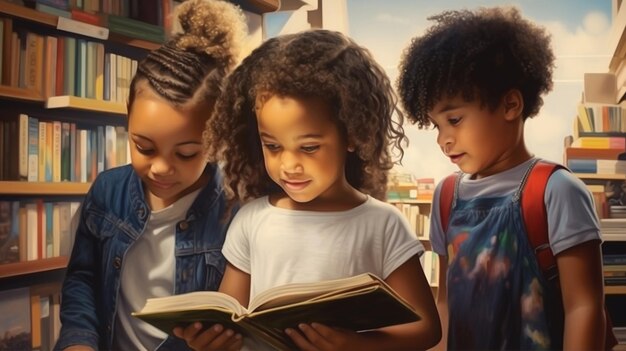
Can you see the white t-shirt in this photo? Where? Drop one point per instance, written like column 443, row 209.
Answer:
column 277, row 246
column 148, row 270
column 569, row 206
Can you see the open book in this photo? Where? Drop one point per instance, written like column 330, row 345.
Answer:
column 357, row 303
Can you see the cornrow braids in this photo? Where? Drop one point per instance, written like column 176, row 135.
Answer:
column 479, row 54
column 188, row 70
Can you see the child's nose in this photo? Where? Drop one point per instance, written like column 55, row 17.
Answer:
column 445, row 140
column 161, row 166
column 290, row 163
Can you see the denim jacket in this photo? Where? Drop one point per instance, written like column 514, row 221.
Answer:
column 112, row 217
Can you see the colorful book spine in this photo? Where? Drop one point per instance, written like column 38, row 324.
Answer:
column 33, row 149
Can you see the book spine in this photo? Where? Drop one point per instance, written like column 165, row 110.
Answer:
column 82, row 28
column 23, row 146
column 33, row 149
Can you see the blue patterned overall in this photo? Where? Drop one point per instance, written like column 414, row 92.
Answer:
column 497, row 296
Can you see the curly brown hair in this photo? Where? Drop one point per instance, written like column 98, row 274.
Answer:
column 479, row 54
column 314, row 63
column 189, row 69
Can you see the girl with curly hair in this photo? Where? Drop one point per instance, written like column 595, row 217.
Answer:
column 477, row 76
column 156, row 227
column 303, row 131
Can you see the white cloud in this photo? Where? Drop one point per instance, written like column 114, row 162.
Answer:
column 580, row 51
column 596, row 23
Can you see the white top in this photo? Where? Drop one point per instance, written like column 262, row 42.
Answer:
column 570, row 210
column 148, row 270
column 277, row 246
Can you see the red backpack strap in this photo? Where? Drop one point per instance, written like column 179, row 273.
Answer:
column 536, row 222
column 446, row 197
column 535, row 216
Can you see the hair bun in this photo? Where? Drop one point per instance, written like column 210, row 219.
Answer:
column 215, row 27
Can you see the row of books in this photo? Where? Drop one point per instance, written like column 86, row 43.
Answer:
column 614, row 253
column 149, row 12
column 34, row 322
column 402, row 185
column 418, row 219
column 35, row 229
column 418, row 216
column 55, row 151
column 597, row 166
column 599, row 117
column 63, row 65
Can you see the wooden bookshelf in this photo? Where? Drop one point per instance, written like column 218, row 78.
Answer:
column 78, row 103
column 26, row 13
column 139, row 43
column 32, row 15
column 601, row 176
column 19, row 94
column 28, row 267
column 409, row 201
column 614, row 237
column 614, row 289
column 43, row 188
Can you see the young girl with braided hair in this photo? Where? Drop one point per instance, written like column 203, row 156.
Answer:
column 156, row 227
column 304, row 131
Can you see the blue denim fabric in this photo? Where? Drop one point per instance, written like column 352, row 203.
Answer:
column 113, row 215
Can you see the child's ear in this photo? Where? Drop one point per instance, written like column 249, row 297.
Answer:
column 513, row 104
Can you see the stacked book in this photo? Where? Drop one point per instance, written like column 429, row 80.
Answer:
column 597, row 154
column 401, row 185
column 136, row 29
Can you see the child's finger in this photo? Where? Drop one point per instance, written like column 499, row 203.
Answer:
column 325, row 331
column 237, row 343
column 190, row 331
column 315, row 337
column 299, row 339
column 216, row 338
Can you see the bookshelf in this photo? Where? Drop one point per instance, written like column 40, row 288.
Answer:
column 35, row 253
column 14, row 93
column 31, row 15
column 43, row 188
column 30, row 267
column 417, row 211
column 588, row 155
column 74, row 102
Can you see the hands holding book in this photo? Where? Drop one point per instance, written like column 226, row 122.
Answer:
column 313, row 336
column 310, row 316
column 211, row 339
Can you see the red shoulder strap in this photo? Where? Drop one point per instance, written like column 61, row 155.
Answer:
column 535, row 220
column 445, row 199
column 535, row 216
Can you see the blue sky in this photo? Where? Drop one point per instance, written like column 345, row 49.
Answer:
column 580, row 30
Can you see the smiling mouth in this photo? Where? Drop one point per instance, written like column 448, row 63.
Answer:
column 296, row 185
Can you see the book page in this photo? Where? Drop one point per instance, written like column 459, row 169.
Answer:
column 197, row 300
column 299, row 292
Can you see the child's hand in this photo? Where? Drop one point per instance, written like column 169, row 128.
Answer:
column 211, row 339
column 318, row 337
